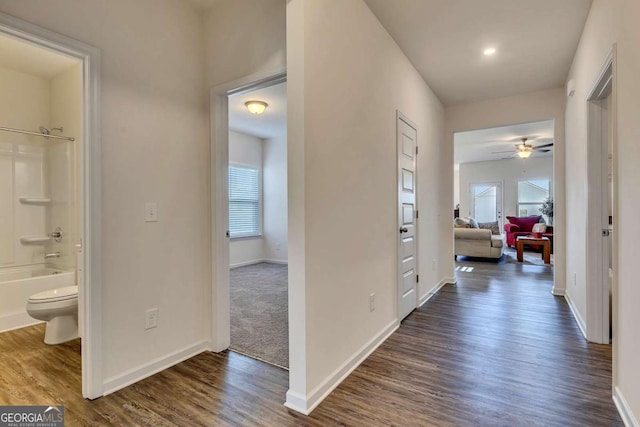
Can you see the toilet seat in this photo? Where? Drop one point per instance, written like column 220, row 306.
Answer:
column 55, row 295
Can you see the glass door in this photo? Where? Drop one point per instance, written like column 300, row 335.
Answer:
column 486, row 202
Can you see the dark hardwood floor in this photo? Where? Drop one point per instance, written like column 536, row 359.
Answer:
column 496, row 350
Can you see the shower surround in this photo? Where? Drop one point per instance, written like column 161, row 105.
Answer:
column 38, row 187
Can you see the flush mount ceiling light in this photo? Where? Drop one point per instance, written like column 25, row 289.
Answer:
column 489, row 51
column 256, row 107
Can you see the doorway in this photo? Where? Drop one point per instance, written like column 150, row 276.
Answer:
column 601, row 202
column 220, row 149
column 257, row 211
column 503, row 182
column 54, row 183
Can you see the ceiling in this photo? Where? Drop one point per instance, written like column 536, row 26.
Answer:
column 445, row 39
column 27, row 58
column 270, row 124
column 482, row 145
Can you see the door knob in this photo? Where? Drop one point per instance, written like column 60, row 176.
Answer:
column 404, row 229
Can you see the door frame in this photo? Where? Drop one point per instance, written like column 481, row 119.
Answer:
column 597, row 276
column 90, row 294
column 499, row 205
column 220, row 325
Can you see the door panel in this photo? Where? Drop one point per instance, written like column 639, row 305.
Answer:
column 407, row 248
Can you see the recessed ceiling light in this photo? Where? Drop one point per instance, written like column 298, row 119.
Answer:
column 489, row 51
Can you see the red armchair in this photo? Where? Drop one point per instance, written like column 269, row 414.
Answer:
column 521, row 226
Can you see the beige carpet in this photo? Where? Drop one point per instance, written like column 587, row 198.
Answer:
column 259, row 312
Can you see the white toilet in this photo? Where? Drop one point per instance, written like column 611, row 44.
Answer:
column 59, row 308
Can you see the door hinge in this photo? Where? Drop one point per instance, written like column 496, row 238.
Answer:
column 417, row 278
column 228, row 234
column 416, row 150
column 417, row 214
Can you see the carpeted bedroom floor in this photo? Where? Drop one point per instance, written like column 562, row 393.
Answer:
column 259, row 312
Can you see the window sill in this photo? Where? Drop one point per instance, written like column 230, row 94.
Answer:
column 258, row 236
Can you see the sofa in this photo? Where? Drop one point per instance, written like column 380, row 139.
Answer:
column 477, row 242
column 522, row 226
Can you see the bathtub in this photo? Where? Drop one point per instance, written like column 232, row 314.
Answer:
column 17, row 284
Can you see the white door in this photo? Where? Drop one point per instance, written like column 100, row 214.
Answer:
column 485, row 202
column 407, row 247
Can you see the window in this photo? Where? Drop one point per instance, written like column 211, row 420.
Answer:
column 531, row 194
column 244, row 202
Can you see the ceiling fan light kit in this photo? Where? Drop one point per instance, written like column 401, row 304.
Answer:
column 525, row 150
column 525, row 153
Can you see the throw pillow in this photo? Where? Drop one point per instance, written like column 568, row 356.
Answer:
column 473, row 223
column 525, row 223
column 539, row 228
column 493, row 226
column 461, row 223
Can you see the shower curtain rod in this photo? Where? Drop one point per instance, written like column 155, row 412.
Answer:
column 66, row 138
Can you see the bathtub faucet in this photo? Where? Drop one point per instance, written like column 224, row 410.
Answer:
column 52, row 255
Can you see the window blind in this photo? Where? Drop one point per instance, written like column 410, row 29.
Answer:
column 244, row 202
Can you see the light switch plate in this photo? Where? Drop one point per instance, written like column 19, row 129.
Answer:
column 151, row 212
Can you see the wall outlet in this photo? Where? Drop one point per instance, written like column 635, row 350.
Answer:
column 151, row 318
column 151, row 212
column 372, row 302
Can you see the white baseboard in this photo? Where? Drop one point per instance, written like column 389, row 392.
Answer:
column 17, row 321
column 258, row 261
column 559, row 292
column 426, row 297
column 628, row 418
column 450, row 281
column 576, row 315
column 306, row 404
column 245, row 263
column 296, row 402
column 160, row 364
column 277, row 261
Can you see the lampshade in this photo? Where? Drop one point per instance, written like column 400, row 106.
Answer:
column 256, row 107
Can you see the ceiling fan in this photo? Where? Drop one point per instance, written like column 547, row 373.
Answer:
column 524, row 150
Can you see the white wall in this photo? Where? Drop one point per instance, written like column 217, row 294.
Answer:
column 274, row 173
column 609, row 23
column 528, row 107
column 154, row 148
column 508, row 172
column 24, row 104
column 260, row 39
column 344, row 88
column 245, row 150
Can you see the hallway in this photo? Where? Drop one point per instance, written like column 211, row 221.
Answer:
column 496, row 349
